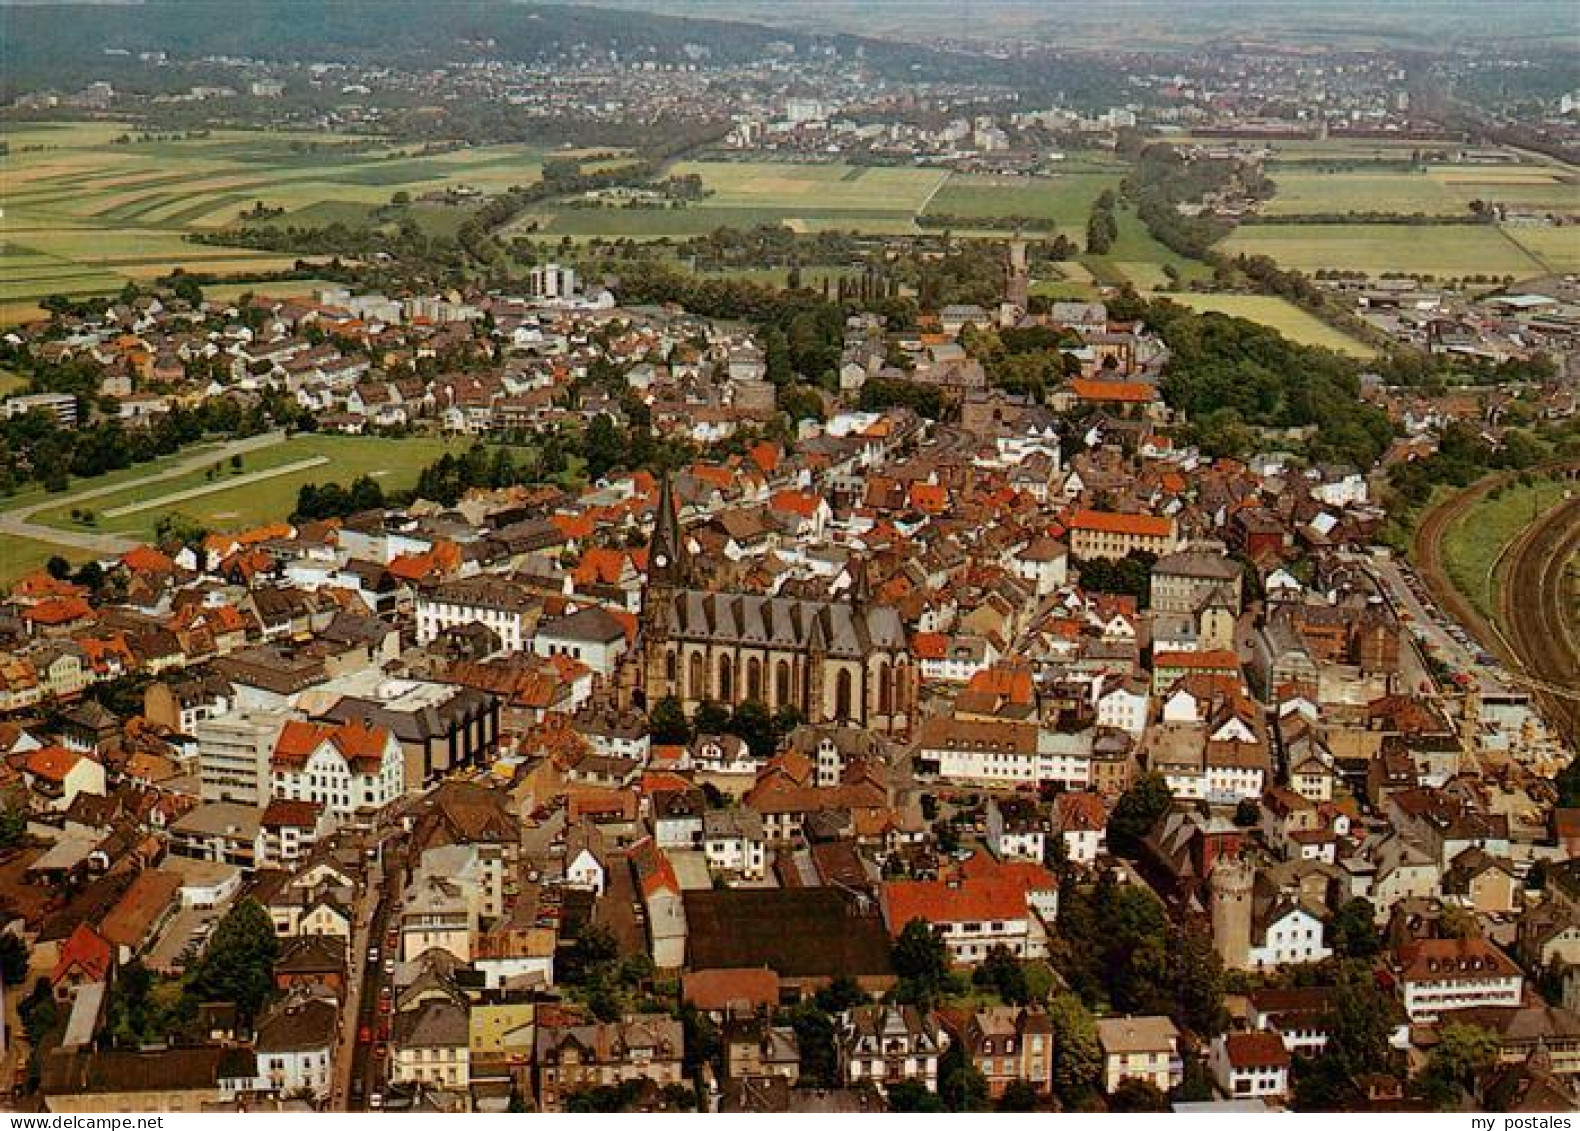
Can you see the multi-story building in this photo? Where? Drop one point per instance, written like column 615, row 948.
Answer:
column 573, row 1057
column 1438, row 976
column 349, row 768
column 1140, row 1048
column 504, row 608
column 1100, row 534
column 883, row 1045
column 1008, row 1043
column 234, row 754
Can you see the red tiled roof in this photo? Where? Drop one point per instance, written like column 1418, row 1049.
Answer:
column 1106, row 522
column 1256, row 1050
column 721, row 990
column 52, row 763
column 935, row 901
column 1127, row 392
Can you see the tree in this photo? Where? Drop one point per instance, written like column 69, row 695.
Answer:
column 752, row 723
column 1003, row 972
column 1463, row 1052
column 13, row 960
column 913, row 1096
column 1247, row 814
column 667, row 722
column 921, row 959
column 1353, row 930
column 1198, row 972
column 1364, row 1020
column 1568, row 783
column 13, row 826
column 594, row 950
column 57, row 567
column 840, row 994
column 1136, row 812
column 603, row 446
column 961, row 1084
column 1077, row 1057
column 710, row 718
column 1137, row 1095
column 814, row 1031
column 238, row 964
column 1019, row 1095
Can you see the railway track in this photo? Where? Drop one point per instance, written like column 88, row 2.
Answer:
column 1534, row 592
column 1538, row 606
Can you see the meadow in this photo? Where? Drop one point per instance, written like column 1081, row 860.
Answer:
column 393, row 463
column 1282, row 315
column 1448, row 250
column 1066, row 199
column 83, row 212
column 1436, row 191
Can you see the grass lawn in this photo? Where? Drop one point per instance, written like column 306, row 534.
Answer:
column 1137, row 258
column 1472, row 545
column 1445, row 250
column 1282, row 315
column 1066, row 200
column 21, row 556
column 394, row 463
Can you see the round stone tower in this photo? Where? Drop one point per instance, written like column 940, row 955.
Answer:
column 1231, row 883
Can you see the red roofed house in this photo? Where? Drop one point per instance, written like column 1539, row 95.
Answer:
column 1251, row 1065
column 735, row 991
column 57, row 775
column 1438, row 976
column 85, row 957
column 1102, row 534
column 666, row 908
column 346, row 768
column 973, row 915
column 809, row 514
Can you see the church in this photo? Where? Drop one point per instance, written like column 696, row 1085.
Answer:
column 844, row 661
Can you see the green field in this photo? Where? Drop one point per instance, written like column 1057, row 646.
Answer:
column 21, row 556
column 394, row 463
column 747, row 194
column 1066, row 199
column 1473, row 545
column 1441, row 250
column 83, row 214
column 1558, row 248
column 1281, row 314
column 1137, row 258
column 1438, row 191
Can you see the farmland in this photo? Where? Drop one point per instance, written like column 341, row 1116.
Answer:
column 85, row 211
column 836, row 197
column 1438, row 191
column 1285, row 317
column 1448, row 250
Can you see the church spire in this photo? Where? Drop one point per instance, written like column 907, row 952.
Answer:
column 666, row 556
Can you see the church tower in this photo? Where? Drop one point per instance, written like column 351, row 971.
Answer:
column 668, row 572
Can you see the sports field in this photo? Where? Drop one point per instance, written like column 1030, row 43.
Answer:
column 236, row 498
column 84, row 212
column 1447, row 250
column 1282, row 315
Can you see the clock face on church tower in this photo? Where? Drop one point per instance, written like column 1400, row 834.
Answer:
column 661, row 560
